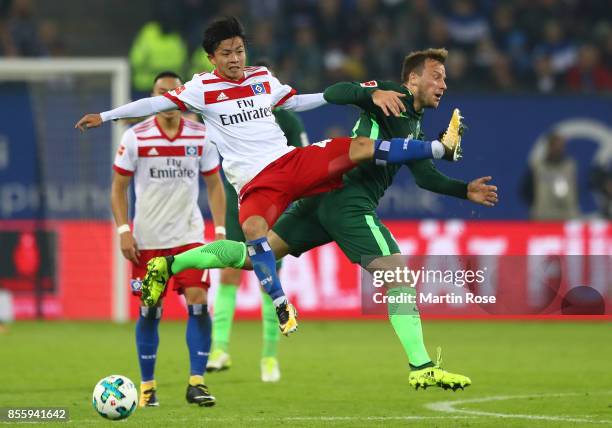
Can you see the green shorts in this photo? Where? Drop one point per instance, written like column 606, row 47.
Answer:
column 317, row 220
column 232, row 225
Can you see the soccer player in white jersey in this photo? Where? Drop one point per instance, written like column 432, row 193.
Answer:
column 236, row 103
column 165, row 154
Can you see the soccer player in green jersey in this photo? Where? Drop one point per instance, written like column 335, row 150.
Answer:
column 347, row 215
column 225, row 300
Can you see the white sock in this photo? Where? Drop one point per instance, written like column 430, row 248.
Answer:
column 279, row 301
column 437, row 149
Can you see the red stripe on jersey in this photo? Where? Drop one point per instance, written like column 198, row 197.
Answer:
column 122, row 171
column 194, row 125
column 161, row 137
column 220, row 79
column 284, row 99
column 212, row 97
column 161, row 151
column 181, row 105
column 141, row 127
column 211, row 172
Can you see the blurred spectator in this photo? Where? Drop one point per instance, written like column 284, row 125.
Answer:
column 557, row 47
column 157, row 47
column 199, row 63
column 307, row 59
column 261, row 43
column 51, row 40
column 509, row 38
column 381, row 56
column 466, row 25
column 550, row 186
column 500, row 45
column 355, row 65
column 7, row 48
column 589, row 75
column 23, row 28
column 329, row 22
column 601, row 183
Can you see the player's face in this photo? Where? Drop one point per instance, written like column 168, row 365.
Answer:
column 163, row 85
column 431, row 85
column 229, row 58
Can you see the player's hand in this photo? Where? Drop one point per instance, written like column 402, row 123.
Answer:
column 219, row 236
column 480, row 192
column 390, row 102
column 129, row 248
column 89, row 121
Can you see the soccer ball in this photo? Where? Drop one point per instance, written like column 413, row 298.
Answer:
column 115, row 397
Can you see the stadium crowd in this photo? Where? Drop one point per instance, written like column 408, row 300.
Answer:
column 521, row 45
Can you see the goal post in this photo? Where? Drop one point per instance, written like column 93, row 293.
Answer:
column 69, row 183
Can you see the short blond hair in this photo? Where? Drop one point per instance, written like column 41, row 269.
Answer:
column 414, row 61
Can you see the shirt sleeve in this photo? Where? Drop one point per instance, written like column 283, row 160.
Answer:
column 280, row 93
column 189, row 96
column 127, row 154
column 209, row 161
column 359, row 94
column 303, row 102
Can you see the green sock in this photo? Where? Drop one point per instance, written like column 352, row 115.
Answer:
column 406, row 322
column 271, row 333
column 218, row 254
column 225, row 304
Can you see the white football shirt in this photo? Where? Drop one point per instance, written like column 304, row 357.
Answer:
column 166, row 182
column 239, row 119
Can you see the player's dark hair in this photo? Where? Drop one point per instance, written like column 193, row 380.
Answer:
column 167, row 73
column 221, row 29
column 415, row 61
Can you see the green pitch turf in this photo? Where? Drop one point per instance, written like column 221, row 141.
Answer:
column 333, row 374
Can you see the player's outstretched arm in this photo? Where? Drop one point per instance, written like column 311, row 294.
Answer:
column 428, row 177
column 304, row 102
column 364, row 96
column 139, row 108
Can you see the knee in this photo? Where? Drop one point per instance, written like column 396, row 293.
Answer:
column 195, row 296
column 254, row 227
column 362, row 148
column 230, row 276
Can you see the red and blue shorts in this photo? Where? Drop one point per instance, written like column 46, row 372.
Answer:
column 302, row 172
column 187, row 278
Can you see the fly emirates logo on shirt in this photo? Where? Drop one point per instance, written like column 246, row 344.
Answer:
column 174, row 168
column 241, row 104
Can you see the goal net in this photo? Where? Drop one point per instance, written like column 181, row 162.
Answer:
column 59, row 254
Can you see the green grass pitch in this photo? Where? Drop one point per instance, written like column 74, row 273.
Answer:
column 525, row 374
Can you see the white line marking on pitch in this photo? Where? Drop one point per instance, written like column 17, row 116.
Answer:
column 449, row 407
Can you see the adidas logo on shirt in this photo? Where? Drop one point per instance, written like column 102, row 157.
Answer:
column 222, row 97
column 153, row 152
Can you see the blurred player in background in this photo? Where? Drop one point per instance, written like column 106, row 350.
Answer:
column 236, row 104
column 166, row 154
column 225, row 300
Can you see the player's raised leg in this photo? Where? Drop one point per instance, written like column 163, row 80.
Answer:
column 218, row 254
column 198, row 336
column 255, row 228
